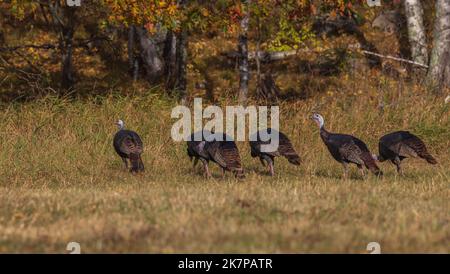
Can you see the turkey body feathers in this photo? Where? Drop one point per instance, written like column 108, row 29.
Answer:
column 284, row 149
column 128, row 145
column 223, row 153
column 195, row 149
column 349, row 149
column 403, row 144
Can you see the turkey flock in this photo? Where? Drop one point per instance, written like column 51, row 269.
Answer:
column 345, row 149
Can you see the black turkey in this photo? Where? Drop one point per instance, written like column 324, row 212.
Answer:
column 284, row 149
column 347, row 149
column 128, row 145
column 399, row 145
column 224, row 153
column 195, row 149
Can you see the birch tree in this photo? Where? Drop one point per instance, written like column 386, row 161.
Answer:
column 440, row 54
column 416, row 31
column 243, row 52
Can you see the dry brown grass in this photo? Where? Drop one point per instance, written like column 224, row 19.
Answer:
column 61, row 181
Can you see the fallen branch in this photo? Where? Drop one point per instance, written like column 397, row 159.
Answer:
column 394, row 58
column 266, row 56
column 357, row 46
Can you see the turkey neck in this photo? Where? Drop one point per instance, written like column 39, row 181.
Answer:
column 324, row 133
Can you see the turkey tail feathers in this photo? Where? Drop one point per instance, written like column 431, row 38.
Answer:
column 136, row 163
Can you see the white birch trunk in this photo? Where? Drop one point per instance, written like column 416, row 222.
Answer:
column 440, row 54
column 416, row 31
column 243, row 60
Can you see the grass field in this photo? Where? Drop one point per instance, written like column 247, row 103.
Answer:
column 61, row 181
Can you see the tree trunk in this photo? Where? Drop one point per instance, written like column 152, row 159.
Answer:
column 67, row 80
column 258, row 63
column 133, row 63
column 181, row 51
column 182, row 45
column 440, row 54
column 243, row 60
column 149, row 56
column 269, row 89
column 416, row 31
column 64, row 21
column 170, row 60
column 447, row 73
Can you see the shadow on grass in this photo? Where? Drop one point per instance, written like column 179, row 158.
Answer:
column 327, row 174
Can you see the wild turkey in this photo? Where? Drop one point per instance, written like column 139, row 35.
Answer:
column 128, row 145
column 223, row 153
column 399, row 145
column 284, row 149
column 347, row 149
column 195, row 149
